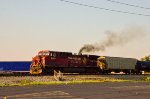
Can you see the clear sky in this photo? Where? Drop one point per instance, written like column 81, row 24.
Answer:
column 28, row 26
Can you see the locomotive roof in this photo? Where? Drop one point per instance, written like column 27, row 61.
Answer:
column 53, row 51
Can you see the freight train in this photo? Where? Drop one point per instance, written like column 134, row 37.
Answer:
column 47, row 61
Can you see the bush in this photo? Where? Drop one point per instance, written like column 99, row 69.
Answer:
column 147, row 79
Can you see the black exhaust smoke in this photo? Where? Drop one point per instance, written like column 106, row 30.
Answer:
column 114, row 39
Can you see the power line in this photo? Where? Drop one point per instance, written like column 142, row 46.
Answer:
column 128, row 4
column 90, row 6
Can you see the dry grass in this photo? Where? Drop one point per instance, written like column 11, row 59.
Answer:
column 70, row 79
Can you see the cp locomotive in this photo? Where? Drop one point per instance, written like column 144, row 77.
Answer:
column 47, row 61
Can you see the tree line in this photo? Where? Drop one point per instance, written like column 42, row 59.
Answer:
column 146, row 58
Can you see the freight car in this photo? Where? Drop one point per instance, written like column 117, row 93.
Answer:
column 15, row 66
column 143, row 66
column 47, row 61
column 118, row 64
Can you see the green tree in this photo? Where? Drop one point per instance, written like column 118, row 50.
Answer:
column 146, row 58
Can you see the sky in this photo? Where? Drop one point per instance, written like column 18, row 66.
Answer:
column 28, row 26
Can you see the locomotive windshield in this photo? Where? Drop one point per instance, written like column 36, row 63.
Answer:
column 42, row 53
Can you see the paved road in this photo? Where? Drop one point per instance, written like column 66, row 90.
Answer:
column 107, row 90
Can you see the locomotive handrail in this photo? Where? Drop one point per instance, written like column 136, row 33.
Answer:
column 58, row 76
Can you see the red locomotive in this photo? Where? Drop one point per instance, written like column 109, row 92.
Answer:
column 47, row 61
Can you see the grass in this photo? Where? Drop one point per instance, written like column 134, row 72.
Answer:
column 147, row 79
column 26, row 82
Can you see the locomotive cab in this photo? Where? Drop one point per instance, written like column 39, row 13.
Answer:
column 47, row 61
column 38, row 62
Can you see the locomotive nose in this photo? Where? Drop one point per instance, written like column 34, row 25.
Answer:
column 35, row 70
column 36, row 67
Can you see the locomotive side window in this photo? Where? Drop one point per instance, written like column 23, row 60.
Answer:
column 54, row 54
column 51, row 54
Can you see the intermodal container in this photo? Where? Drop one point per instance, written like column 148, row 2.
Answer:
column 15, row 65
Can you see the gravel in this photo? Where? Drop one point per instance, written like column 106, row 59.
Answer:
column 10, row 80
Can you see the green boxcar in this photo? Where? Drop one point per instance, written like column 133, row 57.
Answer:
column 120, row 63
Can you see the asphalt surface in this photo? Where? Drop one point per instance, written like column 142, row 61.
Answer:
column 107, row 90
